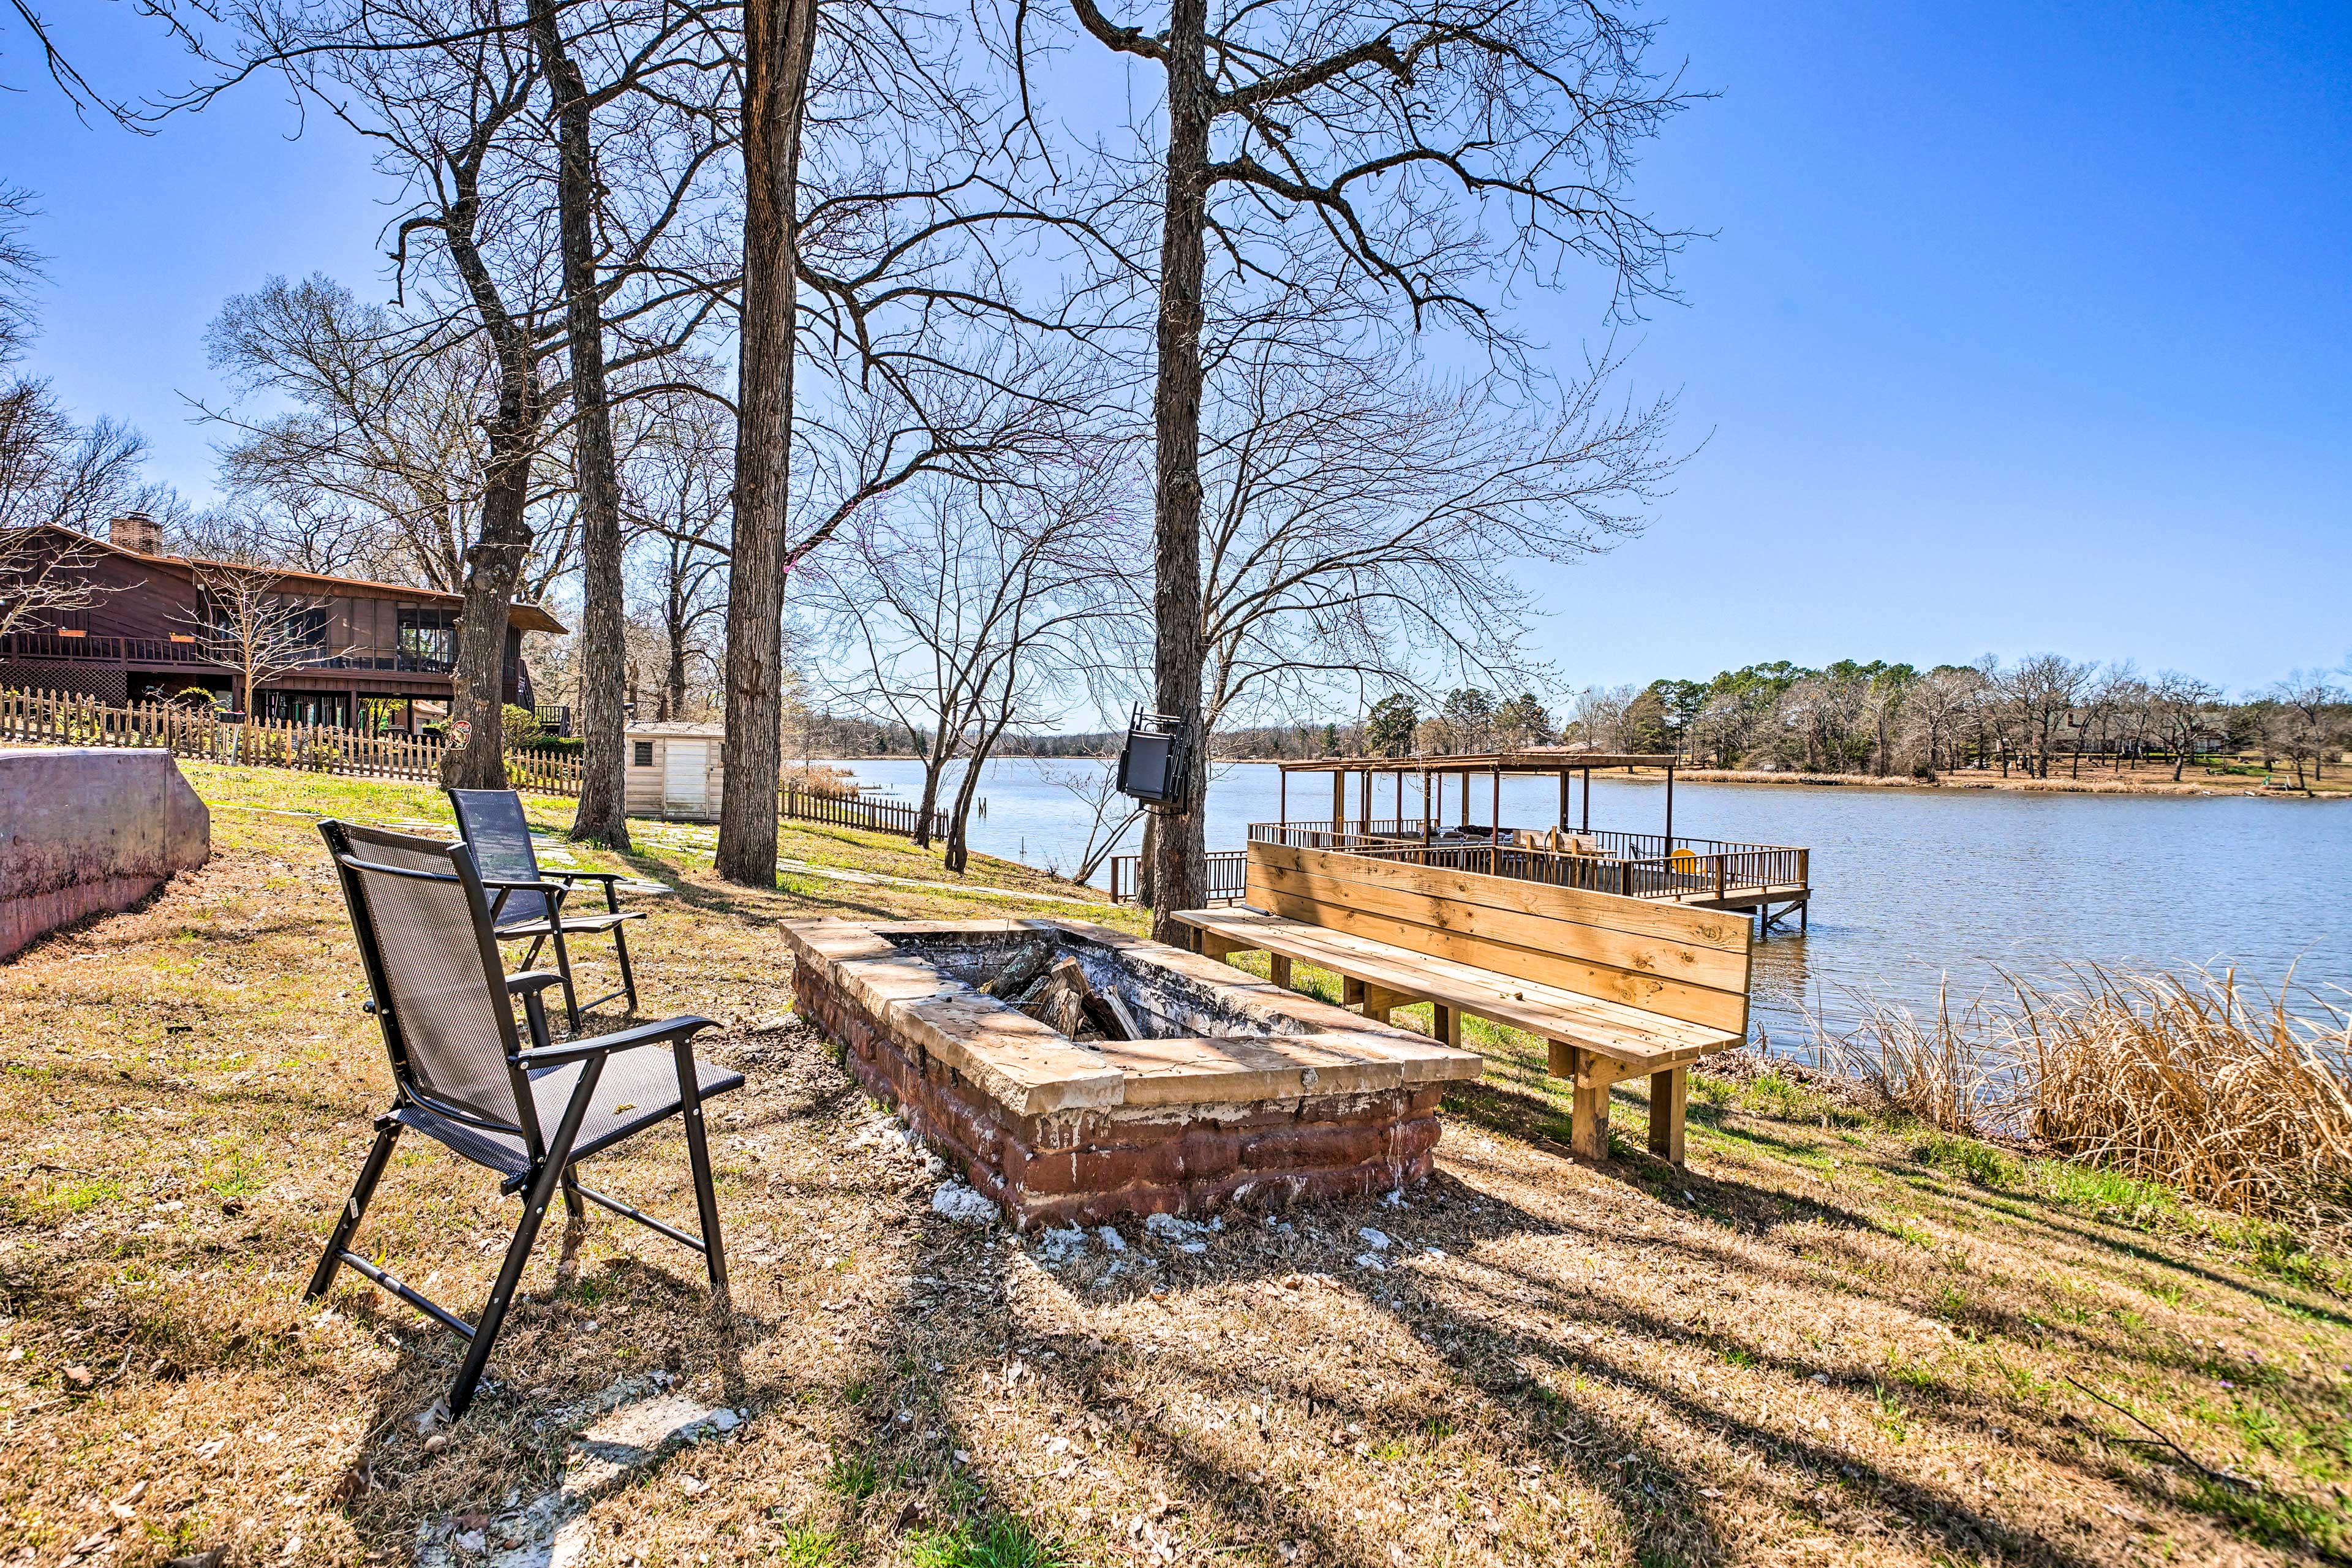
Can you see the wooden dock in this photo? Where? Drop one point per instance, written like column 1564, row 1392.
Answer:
column 1770, row 881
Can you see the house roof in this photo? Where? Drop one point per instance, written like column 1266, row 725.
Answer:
column 520, row 615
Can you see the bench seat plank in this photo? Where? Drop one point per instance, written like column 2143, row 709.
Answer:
column 1638, row 1041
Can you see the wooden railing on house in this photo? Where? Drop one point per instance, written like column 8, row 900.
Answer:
column 35, row 717
column 856, row 811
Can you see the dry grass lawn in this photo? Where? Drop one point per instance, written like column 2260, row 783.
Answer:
column 1832, row 1340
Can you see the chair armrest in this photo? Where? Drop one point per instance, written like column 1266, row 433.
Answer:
column 612, row 880
column 532, row 982
column 668, row 1031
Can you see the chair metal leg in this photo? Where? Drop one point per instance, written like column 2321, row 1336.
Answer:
column 544, row 1182
column 697, row 1155
column 533, row 956
column 564, row 967
column 387, row 1133
column 629, row 975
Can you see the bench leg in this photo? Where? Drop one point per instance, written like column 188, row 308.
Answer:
column 1278, row 966
column 1669, row 1098
column 1588, row 1136
column 1380, row 1004
column 1351, row 991
column 1445, row 1024
column 1216, row 947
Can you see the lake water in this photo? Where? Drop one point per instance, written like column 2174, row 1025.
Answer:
column 1910, row 886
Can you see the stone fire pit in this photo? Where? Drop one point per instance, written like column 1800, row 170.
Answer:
column 1238, row 1093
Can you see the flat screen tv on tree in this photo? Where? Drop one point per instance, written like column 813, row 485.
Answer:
column 1157, row 759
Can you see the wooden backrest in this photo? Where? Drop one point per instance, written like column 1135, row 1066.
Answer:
column 1689, row 964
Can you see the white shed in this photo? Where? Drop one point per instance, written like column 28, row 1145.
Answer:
column 676, row 770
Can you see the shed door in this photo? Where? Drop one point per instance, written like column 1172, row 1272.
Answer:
column 686, row 775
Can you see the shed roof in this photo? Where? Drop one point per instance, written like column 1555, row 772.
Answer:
column 653, row 729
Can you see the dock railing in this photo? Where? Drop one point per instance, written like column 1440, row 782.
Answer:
column 1634, row 865
column 1227, row 869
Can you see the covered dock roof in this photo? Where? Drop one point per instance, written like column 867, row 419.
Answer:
column 1528, row 760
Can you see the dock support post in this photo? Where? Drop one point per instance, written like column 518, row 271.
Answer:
column 1588, row 802
column 1669, row 1098
column 1338, row 803
column 1563, row 800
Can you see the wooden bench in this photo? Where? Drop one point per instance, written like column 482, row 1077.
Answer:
column 1618, row 987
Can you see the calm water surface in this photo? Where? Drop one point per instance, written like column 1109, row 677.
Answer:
column 1910, row 886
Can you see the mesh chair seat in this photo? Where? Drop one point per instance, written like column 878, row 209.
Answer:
column 495, row 827
column 636, row 1089
column 573, row 925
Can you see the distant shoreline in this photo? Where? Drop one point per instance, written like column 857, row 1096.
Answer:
column 2334, row 788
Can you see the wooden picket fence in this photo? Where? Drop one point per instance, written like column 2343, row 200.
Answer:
column 853, row 811
column 50, row 718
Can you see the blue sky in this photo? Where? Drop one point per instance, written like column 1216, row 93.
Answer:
column 2023, row 326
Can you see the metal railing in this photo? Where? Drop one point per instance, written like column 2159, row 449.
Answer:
column 1633, row 865
column 1228, row 872
column 64, row 648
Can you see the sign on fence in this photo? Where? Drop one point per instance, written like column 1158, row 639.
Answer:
column 56, row 719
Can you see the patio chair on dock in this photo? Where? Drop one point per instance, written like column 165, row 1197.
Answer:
column 492, row 822
column 462, row 1076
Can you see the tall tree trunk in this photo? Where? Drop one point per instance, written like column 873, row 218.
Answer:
column 778, row 39
column 1180, row 869
column 493, row 565
column 494, row 561
column 603, row 812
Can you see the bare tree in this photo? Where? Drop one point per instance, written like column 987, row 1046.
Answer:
column 676, row 480
column 1936, row 713
column 1400, row 155
column 378, row 465
column 2180, row 706
column 954, row 601
column 2312, row 704
column 247, row 619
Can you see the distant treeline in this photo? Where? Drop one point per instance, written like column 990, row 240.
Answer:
column 2041, row 713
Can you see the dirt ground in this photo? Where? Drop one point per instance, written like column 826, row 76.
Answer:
column 1831, row 1340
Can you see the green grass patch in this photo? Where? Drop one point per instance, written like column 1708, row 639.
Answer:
column 994, row 1541
column 1966, row 1157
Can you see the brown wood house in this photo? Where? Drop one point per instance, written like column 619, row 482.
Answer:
column 385, row 650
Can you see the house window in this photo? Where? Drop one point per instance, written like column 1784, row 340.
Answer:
column 306, row 626
column 428, row 636
column 644, row 756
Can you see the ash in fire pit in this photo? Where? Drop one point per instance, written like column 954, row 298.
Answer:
column 1075, row 1072
column 1092, row 991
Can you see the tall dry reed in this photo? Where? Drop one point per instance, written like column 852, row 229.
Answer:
column 2236, row 1095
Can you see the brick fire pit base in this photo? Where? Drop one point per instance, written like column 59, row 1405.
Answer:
column 1257, row 1096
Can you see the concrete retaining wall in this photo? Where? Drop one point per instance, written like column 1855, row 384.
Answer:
column 85, row 831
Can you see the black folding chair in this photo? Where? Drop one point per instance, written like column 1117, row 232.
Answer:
column 492, row 820
column 422, row 913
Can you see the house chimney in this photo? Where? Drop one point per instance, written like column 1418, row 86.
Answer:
column 136, row 530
